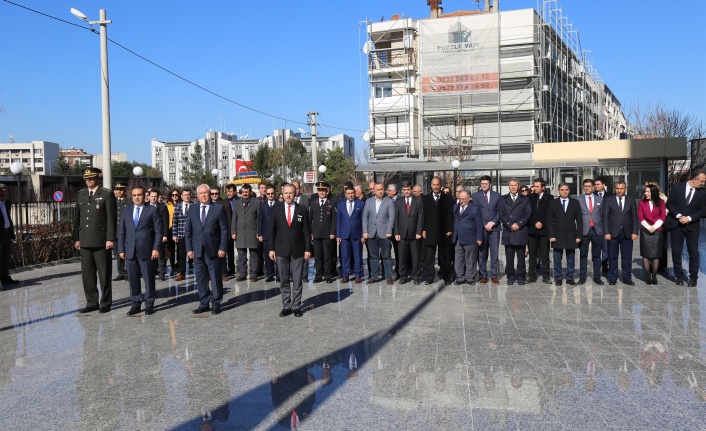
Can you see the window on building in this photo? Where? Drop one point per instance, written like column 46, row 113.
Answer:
column 383, row 89
column 38, row 151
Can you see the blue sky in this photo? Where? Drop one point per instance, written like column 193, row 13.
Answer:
column 283, row 57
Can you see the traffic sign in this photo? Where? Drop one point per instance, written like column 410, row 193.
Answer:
column 309, row 177
column 58, row 196
column 247, row 174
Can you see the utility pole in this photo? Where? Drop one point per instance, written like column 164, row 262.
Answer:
column 314, row 147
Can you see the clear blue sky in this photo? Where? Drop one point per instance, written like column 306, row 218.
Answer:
column 283, row 57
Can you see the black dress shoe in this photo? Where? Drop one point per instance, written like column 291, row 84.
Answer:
column 571, row 282
column 417, row 281
column 559, row 282
column 510, row 282
column 531, row 279
column 447, row 282
column 330, row 280
column 104, row 310
column 298, row 313
column 405, row 280
column 680, row 281
column 285, row 312
column 149, row 311
column 119, row 277
column 521, row 282
column 8, row 280
column 460, row 282
column 582, row 280
column 598, row 281
column 547, row 280
column 201, row 310
column 692, row 283
column 612, row 283
column 216, row 310
column 269, row 279
column 89, row 309
column 629, row 282
column 133, row 310
column 428, row 282
column 318, row 280
column 162, row 277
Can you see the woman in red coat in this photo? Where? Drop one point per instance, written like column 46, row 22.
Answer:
column 651, row 213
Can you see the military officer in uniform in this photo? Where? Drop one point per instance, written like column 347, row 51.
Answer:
column 94, row 234
column 323, row 233
column 121, row 202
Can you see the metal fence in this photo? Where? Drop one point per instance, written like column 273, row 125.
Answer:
column 29, row 213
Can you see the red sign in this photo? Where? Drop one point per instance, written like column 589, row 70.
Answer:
column 460, row 83
column 242, row 166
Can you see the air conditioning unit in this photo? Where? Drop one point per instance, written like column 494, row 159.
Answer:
column 465, row 140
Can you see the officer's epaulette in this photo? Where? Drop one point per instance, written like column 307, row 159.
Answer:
column 82, row 190
column 105, row 189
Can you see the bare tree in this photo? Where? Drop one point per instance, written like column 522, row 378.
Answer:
column 364, row 158
column 659, row 121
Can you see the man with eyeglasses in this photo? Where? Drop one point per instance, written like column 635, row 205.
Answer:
column 264, row 217
column 94, row 235
column 215, row 194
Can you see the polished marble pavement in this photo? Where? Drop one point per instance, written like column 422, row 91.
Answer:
column 362, row 357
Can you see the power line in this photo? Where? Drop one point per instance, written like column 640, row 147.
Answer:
column 176, row 75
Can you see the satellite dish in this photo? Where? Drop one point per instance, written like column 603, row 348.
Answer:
column 368, row 47
column 366, row 136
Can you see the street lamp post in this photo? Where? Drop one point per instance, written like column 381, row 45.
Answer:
column 455, row 164
column 105, row 89
column 17, row 168
column 215, row 173
column 322, row 170
column 137, row 172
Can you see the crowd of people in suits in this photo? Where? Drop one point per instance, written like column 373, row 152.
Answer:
column 406, row 235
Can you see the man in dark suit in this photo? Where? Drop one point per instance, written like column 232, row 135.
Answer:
column 94, row 235
column 323, row 233
column 620, row 227
column 601, row 189
column 7, row 235
column 181, row 214
column 299, row 198
column 487, row 201
column 120, row 202
column 290, row 231
column 349, row 234
column 438, row 229
column 686, row 205
column 593, row 235
column 229, row 205
column 564, row 228
column 538, row 241
column 164, row 214
column 468, row 236
column 514, row 210
column 264, row 217
column 409, row 225
column 206, row 238
column 140, row 236
column 243, row 230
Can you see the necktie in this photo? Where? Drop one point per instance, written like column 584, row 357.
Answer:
column 289, row 215
column 408, row 206
column 590, row 209
column 203, row 214
column 563, row 203
column 350, row 208
column 271, row 202
column 514, row 197
column 232, row 205
column 463, row 208
column 688, row 198
column 90, row 194
column 323, row 202
column 620, row 202
column 436, row 198
column 186, row 209
column 136, row 219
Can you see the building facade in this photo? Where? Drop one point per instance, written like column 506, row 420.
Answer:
column 76, row 155
column 483, row 85
column 38, row 157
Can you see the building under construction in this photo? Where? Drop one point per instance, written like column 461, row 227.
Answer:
column 483, row 85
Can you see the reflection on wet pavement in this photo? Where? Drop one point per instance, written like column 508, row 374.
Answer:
column 363, row 356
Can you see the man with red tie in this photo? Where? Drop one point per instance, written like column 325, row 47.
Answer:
column 290, row 230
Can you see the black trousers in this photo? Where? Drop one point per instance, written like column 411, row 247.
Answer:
column 596, row 242
column 680, row 235
column 181, row 254
column 230, row 254
column 515, row 273
column 121, row 263
column 409, row 257
column 324, row 258
column 396, row 251
column 538, row 247
column 171, row 251
column 96, row 266
column 445, row 261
